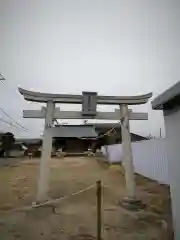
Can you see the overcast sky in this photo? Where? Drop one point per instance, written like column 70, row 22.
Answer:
column 114, row 47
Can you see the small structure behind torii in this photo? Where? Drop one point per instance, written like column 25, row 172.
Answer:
column 89, row 101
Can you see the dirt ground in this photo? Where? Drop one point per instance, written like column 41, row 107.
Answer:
column 75, row 217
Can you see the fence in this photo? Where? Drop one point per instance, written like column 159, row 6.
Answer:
column 149, row 157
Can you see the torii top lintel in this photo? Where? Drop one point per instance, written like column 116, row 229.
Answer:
column 78, row 99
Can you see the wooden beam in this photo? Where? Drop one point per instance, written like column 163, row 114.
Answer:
column 78, row 115
column 33, row 114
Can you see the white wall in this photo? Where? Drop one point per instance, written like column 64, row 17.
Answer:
column 172, row 123
column 113, row 152
column 149, row 157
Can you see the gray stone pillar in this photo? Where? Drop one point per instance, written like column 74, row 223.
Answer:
column 127, row 153
column 43, row 181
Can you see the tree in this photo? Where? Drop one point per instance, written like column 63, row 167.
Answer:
column 7, row 143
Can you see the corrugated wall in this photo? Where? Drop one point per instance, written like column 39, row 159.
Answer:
column 172, row 123
column 150, row 158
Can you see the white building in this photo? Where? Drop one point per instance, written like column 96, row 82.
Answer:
column 169, row 102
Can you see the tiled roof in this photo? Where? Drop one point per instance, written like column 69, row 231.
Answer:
column 78, row 131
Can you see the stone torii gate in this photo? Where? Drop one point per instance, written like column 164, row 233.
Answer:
column 89, row 101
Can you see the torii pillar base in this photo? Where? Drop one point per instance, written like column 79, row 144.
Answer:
column 132, row 204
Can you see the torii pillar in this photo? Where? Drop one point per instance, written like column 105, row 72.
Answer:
column 127, row 152
column 43, row 182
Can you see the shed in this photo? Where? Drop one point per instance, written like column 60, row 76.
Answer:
column 78, row 138
column 74, row 131
column 169, row 102
column 73, row 138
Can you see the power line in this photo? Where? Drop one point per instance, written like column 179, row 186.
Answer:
column 13, row 120
column 11, row 124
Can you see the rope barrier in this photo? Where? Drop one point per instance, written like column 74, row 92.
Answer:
column 49, row 202
column 52, row 201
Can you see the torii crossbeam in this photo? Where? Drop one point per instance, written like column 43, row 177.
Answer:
column 89, row 101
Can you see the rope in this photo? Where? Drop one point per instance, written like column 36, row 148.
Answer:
column 49, row 202
column 103, row 135
column 11, row 124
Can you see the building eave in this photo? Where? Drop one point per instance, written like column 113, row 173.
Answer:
column 161, row 102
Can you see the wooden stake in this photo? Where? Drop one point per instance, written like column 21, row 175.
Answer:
column 99, row 197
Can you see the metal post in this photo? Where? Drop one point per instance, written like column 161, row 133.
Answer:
column 99, row 197
column 127, row 153
column 43, row 182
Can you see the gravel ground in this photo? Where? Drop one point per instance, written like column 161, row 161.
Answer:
column 75, row 218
